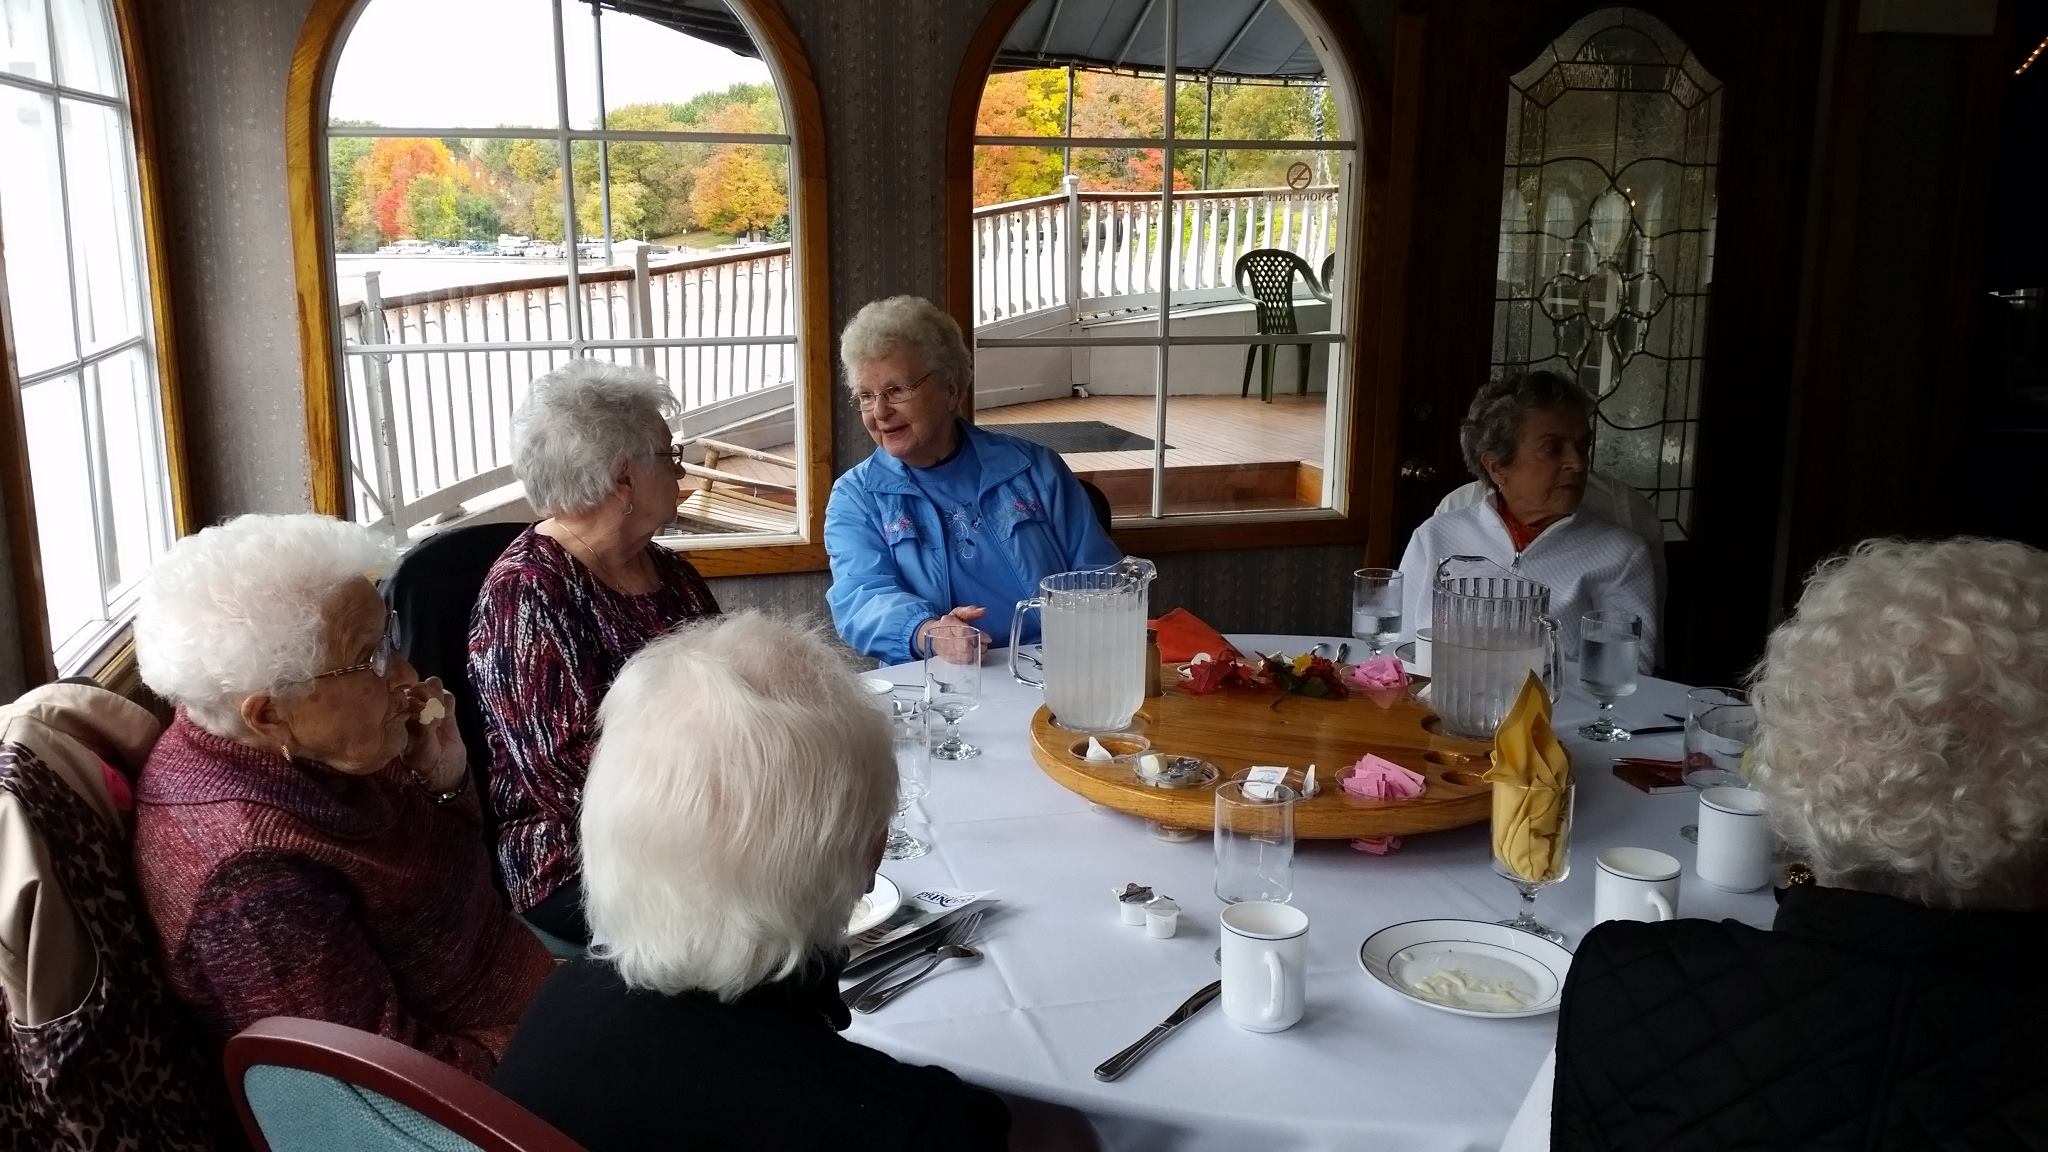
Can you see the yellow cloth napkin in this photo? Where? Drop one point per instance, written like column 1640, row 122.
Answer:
column 1531, row 775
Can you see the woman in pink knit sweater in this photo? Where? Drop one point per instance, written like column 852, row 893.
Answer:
column 306, row 834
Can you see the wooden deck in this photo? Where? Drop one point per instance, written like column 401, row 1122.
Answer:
column 1227, row 454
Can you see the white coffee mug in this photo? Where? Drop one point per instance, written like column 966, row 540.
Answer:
column 1635, row 884
column 1424, row 639
column 1265, row 965
column 1734, row 844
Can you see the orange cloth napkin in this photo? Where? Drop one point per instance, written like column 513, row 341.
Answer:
column 1182, row 634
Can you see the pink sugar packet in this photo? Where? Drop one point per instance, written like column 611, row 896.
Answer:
column 1377, row 778
column 1381, row 678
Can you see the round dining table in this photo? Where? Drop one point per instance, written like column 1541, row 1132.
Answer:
column 1063, row 984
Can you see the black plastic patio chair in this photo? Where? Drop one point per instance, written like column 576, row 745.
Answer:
column 1271, row 272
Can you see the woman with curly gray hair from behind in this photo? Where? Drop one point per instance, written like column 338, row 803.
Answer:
column 565, row 606
column 1903, row 712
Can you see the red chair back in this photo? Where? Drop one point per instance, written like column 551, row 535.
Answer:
column 464, row 1106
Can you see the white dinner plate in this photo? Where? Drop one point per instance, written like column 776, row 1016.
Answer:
column 878, row 905
column 1471, row 964
column 879, row 685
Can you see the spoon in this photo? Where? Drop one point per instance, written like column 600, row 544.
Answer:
column 874, row 1000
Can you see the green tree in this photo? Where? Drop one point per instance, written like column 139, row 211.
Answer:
column 428, row 211
column 479, row 216
column 354, row 230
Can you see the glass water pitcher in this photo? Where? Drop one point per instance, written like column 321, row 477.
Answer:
column 1492, row 628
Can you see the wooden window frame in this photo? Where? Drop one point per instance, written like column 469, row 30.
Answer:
column 306, row 97
column 1366, row 517
column 114, row 660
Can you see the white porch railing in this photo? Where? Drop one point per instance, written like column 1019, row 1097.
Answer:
column 1026, row 256
column 429, row 430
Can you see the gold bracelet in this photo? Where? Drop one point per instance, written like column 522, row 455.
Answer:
column 439, row 797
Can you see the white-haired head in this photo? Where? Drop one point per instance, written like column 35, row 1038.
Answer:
column 579, row 426
column 912, row 325
column 740, row 787
column 238, row 610
column 1903, row 716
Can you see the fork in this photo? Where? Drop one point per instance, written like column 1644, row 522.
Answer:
column 868, row 995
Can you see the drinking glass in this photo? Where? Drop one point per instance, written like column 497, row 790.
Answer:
column 1376, row 608
column 1532, row 838
column 1720, row 726
column 952, row 683
column 1610, row 643
column 1254, row 842
column 911, row 741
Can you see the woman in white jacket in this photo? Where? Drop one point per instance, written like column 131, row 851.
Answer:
column 1528, row 439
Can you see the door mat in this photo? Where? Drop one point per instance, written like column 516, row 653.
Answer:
column 1065, row 436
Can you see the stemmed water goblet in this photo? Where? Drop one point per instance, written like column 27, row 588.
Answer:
column 1532, row 836
column 1610, row 644
column 952, row 683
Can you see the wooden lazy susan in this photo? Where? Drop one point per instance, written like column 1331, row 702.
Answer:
column 1237, row 728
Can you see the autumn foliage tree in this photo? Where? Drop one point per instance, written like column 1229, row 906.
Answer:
column 1105, row 104
column 383, row 190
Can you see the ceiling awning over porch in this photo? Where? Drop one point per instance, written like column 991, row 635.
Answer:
column 1249, row 39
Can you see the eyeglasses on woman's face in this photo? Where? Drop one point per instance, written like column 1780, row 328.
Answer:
column 379, row 662
column 895, row 394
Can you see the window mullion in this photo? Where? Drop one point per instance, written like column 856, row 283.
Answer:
column 88, row 407
column 572, row 292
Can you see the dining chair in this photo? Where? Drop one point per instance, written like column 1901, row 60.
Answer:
column 1099, row 502
column 430, row 593
column 1271, row 273
column 310, row 1086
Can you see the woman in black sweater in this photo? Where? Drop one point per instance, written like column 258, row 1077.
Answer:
column 735, row 811
column 1904, row 750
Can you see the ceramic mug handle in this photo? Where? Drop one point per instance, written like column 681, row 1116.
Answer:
column 1663, row 906
column 1276, row 992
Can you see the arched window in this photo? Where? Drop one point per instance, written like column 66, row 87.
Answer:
column 1162, row 254
column 505, row 185
column 98, row 502
column 1606, row 240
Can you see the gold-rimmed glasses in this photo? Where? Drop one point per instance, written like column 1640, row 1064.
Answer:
column 380, row 660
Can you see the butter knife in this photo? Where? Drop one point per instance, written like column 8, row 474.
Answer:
column 1121, row 1063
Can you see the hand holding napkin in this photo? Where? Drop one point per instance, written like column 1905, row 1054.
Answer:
column 1377, row 778
column 1531, row 778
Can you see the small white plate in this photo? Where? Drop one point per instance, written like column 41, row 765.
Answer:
column 1401, row 955
column 878, row 905
column 878, row 685
column 1405, row 653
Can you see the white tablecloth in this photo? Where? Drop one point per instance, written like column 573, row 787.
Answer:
column 1064, row 984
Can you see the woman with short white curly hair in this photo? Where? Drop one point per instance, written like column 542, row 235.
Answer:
column 945, row 518
column 1903, row 723
column 735, row 812
column 566, row 604
column 1903, row 754
column 306, row 837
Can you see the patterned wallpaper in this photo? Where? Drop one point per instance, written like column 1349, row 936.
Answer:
column 885, row 70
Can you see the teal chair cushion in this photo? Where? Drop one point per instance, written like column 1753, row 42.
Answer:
column 302, row 1111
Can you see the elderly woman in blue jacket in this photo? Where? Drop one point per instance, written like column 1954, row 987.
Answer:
column 944, row 520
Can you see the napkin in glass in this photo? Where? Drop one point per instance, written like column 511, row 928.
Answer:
column 1529, row 812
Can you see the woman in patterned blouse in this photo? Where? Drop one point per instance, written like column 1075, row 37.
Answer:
column 566, row 605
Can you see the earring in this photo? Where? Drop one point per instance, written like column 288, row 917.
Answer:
column 285, row 750
column 629, row 507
